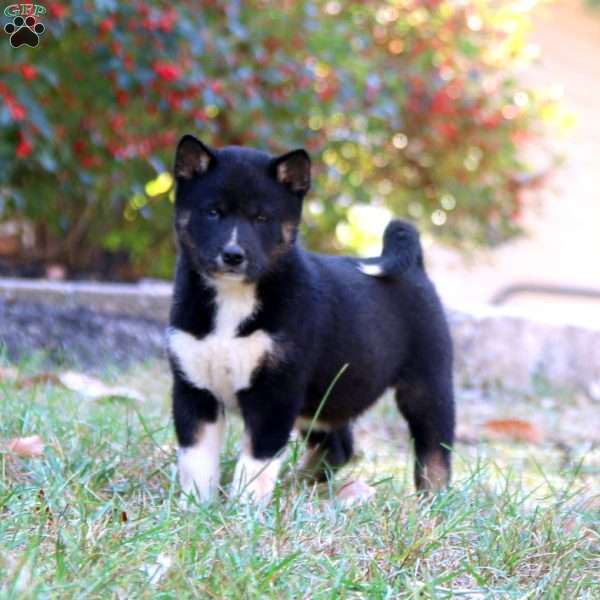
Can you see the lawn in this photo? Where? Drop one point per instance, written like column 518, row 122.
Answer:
column 97, row 515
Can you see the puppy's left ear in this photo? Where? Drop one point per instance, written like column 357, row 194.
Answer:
column 293, row 171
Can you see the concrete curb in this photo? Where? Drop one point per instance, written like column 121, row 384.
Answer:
column 516, row 351
column 95, row 322
column 146, row 300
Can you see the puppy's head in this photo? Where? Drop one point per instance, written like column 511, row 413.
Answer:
column 237, row 210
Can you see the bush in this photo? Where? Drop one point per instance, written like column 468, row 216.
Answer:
column 410, row 105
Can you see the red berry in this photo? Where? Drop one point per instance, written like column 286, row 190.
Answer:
column 117, row 122
column 166, row 21
column 448, row 131
column 29, row 72
column 440, row 103
column 107, row 25
column 79, row 147
column 167, row 71
column 17, row 111
column 58, row 10
column 122, row 97
column 24, row 148
column 174, row 101
column 149, row 24
column 326, row 94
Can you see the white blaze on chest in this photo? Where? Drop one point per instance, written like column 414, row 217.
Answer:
column 222, row 362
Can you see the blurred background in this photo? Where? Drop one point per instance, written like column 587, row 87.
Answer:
column 476, row 119
column 561, row 246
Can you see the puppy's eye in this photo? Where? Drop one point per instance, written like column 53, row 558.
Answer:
column 261, row 219
column 214, row 213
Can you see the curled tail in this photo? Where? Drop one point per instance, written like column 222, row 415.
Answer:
column 401, row 251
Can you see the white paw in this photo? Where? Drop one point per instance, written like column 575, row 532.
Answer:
column 254, row 479
column 198, row 465
column 185, row 502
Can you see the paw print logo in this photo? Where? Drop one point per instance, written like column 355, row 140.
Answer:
column 24, row 31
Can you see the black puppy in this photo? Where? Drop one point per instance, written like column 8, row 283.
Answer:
column 262, row 327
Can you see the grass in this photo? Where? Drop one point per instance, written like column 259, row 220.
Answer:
column 98, row 515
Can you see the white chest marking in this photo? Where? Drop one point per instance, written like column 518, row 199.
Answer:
column 221, row 362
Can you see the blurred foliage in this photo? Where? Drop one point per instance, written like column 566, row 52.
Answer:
column 407, row 105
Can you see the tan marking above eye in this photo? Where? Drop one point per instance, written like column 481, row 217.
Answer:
column 184, row 218
column 287, row 232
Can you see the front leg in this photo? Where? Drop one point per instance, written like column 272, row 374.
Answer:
column 199, row 425
column 269, row 413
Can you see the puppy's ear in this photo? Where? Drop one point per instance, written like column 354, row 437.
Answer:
column 293, row 171
column 192, row 158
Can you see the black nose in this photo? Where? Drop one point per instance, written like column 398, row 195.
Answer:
column 233, row 255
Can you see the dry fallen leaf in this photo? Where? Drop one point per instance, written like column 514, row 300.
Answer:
column 30, row 446
column 28, row 382
column 18, row 571
column 8, row 373
column 76, row 382
column 94, row 388
column 514, row 429
column 43, row 505
column 158, row 570
column 355, row 492
column 11, row 374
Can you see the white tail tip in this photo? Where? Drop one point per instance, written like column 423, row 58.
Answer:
column 372, row 270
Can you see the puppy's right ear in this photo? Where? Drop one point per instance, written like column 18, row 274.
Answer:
column 293, row 171
column 192, row 158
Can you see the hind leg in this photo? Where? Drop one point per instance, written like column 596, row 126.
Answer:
column 428, row 406
column 327, row 451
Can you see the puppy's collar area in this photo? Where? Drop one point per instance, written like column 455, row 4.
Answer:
column 221, row 278
column 228, row 283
